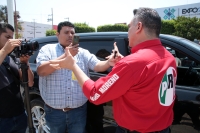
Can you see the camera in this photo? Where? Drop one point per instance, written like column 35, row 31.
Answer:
column 26, row 48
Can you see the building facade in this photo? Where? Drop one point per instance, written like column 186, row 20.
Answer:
column 189, row 10
column 33, row 30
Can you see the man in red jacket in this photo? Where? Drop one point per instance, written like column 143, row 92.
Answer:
column 141, row 85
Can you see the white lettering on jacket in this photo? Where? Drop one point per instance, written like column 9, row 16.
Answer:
column 95, row 97
column 109, row 83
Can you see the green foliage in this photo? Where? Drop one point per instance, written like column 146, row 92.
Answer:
column 3, row 14
column 80, row 24
column 187, row 27
column 4, row 19
column 79, row 28
column 50, row 32
column 167, row 27
column 83, row 27
column 115, row 27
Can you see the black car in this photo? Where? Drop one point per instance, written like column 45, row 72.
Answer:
column 186, row 53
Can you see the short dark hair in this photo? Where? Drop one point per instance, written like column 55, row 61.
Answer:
column 4, row 26
column 102, row 53
column 149, row 18
column 65, row 23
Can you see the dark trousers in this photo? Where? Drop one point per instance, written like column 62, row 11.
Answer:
column 94, row 118
column 123, row 130
column 180, row 108
column 16, row 124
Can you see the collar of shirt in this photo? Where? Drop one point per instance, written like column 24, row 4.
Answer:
column 61, row 47
column 145, row 44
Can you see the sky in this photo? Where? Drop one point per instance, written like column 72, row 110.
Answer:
column 92, row 12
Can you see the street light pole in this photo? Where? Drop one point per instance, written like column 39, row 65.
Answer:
column 67, row 18
column 34, row 27
column 51, row 19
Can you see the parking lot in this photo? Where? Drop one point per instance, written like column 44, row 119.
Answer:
column 186, row 125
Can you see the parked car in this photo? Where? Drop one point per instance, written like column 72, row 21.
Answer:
column 101, row 44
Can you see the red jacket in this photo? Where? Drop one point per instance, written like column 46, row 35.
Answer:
column 141, row 86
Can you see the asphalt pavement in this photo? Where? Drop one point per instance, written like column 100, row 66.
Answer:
column 185, row 126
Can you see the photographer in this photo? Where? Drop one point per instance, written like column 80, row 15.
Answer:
column 12, row 114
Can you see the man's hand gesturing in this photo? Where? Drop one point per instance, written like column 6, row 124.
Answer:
column 66, row 63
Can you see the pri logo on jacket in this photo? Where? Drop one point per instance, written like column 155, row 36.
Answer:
column 166, row 92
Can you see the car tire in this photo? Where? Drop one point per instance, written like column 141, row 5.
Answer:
column 38, row 116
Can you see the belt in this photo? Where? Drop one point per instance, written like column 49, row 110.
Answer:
column 64, row 109
column 128, row 131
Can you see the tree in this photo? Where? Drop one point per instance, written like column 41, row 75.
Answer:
column 79, row 28
column 3, row 14
column 50, row 32
column 83, row 27
column 187, row 27
column 4, row 18
column 167, row 27
column 115, row 27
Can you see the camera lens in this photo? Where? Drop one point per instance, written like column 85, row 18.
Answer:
column 26, row 48
column 33, row 46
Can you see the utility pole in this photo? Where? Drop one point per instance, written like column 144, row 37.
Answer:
column 67, row 18
column 51, row 19
column 34, row 27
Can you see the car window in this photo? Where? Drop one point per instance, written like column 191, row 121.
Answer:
column 102, row 47
column 33, row 57
column 99, row 48
column 188, row 70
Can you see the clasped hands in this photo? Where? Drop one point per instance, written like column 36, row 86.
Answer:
column 68, row 62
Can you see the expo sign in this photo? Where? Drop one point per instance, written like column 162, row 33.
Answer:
column 191, row 10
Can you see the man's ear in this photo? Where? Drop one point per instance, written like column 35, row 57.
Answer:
column 139, row 26
column 57, row 34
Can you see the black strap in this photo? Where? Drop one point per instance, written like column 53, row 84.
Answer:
column 17, row 81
